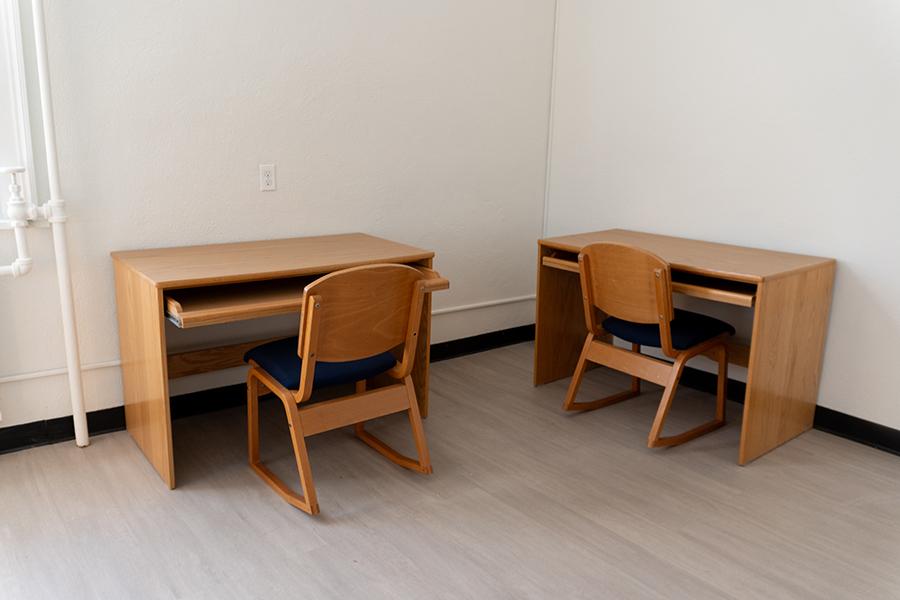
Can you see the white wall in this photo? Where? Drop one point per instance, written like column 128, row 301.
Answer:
column 773, row 123
column 420, row 121
column 768, row 123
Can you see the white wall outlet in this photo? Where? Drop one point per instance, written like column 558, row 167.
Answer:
column 267, row 178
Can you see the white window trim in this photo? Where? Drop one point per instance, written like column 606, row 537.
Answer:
column 11, row 37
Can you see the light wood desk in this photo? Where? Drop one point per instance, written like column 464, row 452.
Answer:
column 205, row 285
column 790, row 295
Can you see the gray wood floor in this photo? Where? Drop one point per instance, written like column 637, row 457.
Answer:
column 525, row 502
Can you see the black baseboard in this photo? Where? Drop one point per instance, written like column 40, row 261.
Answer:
column 40, row 433
column 825, row 419
column 61, row 429
column 205, row 401
column 706, row 382
column 859, row 430
column 480, row 343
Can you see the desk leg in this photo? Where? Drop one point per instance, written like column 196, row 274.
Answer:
column 559, row 323
column 145, row 384
column 786, row 352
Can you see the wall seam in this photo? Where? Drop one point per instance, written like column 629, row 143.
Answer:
column 550, row 108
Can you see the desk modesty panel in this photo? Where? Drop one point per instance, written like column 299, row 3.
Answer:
column 198, row 286
column 789, row 294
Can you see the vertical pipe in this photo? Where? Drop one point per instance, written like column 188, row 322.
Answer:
column 70, row 334
column 21, row 242
column 56, row 215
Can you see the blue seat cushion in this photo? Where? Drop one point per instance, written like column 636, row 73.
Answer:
column 688, row 329
column 279, row 359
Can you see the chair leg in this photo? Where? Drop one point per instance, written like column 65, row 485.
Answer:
column 252, row 419
column 656, row 439
column 423, row 464
column 360, row 427
column 306, row 502
column 569, row 403
column 575, row 384
column 722, row 387
column 415, row 423
column 636, row 381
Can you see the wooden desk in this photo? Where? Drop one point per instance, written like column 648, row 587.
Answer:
column 204, row 285
column 790, row 295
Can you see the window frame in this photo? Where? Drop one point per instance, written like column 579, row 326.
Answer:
column 11, row 39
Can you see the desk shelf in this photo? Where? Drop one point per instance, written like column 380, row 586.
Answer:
column 198, row 307
column 687, row 284
column 726, row 291
column 562, row 264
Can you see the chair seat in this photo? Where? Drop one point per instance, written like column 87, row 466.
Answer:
column 688, row 329
column 280, row 360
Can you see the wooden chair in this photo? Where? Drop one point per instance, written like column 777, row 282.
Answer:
column 633, row 288
column 354, row 323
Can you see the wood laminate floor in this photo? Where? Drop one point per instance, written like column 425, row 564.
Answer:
column 525, row 502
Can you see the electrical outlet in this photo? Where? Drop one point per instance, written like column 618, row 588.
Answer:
column 267, row 178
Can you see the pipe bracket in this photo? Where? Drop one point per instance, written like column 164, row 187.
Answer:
column 54, row 211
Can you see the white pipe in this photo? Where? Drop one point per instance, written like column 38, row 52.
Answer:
column 17, row 211
column 54, row 212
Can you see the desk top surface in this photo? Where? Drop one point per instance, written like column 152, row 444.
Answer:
column 190, row 266
column 705, row 258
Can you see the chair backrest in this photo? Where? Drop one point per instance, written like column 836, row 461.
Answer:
column 626, row 282
column 357, row 313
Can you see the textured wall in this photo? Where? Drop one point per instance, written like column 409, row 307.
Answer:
column 772, row 123
column 420, row 121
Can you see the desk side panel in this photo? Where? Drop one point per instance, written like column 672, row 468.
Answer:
column 785, row 359
column 559, row 322
column 145, row 385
